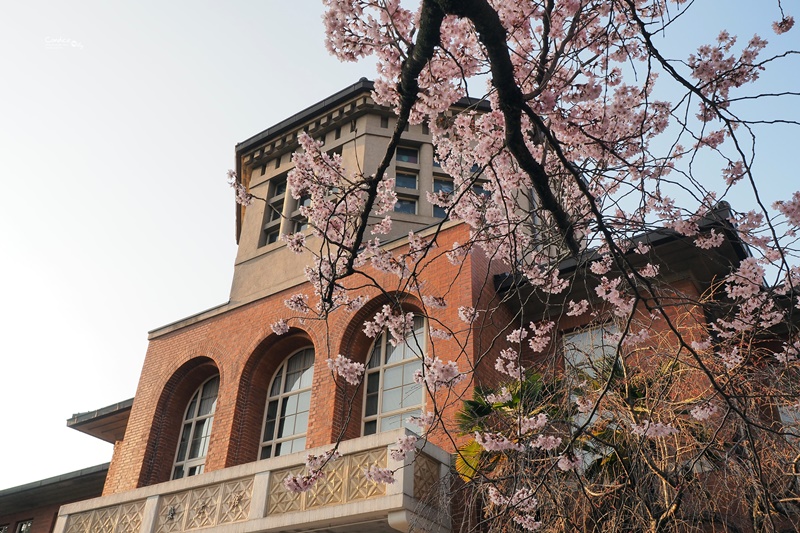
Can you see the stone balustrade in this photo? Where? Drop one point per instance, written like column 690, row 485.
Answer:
column 253, row 498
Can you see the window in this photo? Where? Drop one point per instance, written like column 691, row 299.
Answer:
column 407, row 155
column 479, row 190
column 25, row 526
column 406, row 205
column 446, row 188
column 588, row 357
column 299, row 221
column 790, row 420
column 4, row 528
column 273, row 212
column 191, row 455
column 286, row 416
column 384, row 122
column 589, row 353
column 391, row 395
column 406, row 180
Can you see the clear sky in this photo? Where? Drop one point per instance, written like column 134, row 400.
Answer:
column 118, row 121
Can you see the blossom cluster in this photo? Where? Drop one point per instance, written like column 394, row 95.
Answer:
column 652, row 430
column 437, row 374
column 399, row 325
column 377, row 474
column 405, row 444
column 345, row 367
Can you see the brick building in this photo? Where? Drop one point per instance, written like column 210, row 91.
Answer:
column 225, row 408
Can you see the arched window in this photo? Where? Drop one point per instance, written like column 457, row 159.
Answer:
column 391, row 395
column 197, row 421
column 286, row 416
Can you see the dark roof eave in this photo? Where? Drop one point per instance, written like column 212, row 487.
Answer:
column 69, row 476
column 110, row 410
column 717, row 219
column 361, row 86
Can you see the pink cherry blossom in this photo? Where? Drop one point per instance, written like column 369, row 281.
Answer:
column 567, row 463
column 405, row 444
column 280, row 327
column 350, row 370
column 377, row 474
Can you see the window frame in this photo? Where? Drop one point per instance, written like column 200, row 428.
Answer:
column 416, row 343
column 282, row 397
column 406, row 175
column 192, row 466
column 406, row 158
column 274, row 209
column 604, row 351
column 24, row 526
column 440, row 183
column 406, row 200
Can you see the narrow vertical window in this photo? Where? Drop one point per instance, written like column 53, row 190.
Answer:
column 391, row 395
column 588, row 359
column 445, row 187
column 190, row 458
column 273, row 211
column 286, row 412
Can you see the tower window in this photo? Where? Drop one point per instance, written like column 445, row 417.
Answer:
column 407, row 155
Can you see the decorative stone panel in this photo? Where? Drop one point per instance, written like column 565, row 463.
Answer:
column 204, row 507
column 126, row 518
column 358, row 486
column 344, row 482
column 426, row 476
column 236, row 498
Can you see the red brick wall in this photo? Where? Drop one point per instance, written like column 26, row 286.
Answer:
column 241, row 346
column 44, row 519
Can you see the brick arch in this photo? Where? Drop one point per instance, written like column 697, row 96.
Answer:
column 355, row 344
column 251, row 397
column 168, row 418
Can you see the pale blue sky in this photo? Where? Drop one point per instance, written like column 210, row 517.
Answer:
column 119, row 121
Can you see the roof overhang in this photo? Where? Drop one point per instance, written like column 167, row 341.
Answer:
column 677, row 255
column 107, row 423
column 74, row 486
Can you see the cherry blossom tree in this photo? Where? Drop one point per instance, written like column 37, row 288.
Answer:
column 584, row 137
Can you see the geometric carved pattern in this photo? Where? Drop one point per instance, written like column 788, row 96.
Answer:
column 426, row 475
column 203, row 507
column 330, row 489
column 130, row 517
column 104, row 520
column 344, row 482
column 236, row 497
column 280, row 499
column 79, row 523
column 358, row 486
column 172, row 511
column 126, row 518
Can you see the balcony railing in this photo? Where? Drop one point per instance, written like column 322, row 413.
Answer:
column 252, row 497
